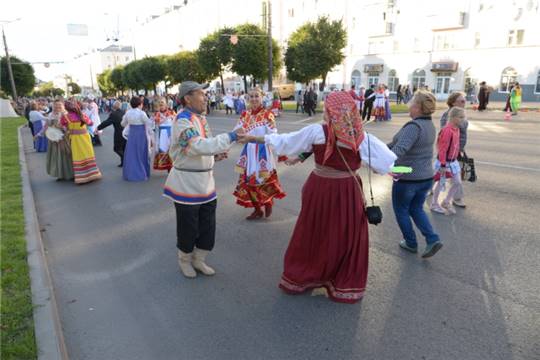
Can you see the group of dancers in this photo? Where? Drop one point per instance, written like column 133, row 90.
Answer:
column 329, row 245
column 375, row 101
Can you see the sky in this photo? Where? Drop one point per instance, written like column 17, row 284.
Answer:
column 41, row 33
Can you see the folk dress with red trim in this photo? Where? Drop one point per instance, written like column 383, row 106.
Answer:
column 163, row 123
column 258, row 182
column 193, row 148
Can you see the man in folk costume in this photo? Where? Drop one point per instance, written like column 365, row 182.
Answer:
column 190, row 184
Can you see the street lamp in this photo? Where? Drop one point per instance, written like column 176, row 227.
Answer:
column 8, row 61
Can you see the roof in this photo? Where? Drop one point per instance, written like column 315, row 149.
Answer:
column 117, row 48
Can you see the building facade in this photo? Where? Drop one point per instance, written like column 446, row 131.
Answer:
column 443, row 45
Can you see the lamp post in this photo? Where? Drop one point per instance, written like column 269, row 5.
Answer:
column 270, row 64
column 8, row 61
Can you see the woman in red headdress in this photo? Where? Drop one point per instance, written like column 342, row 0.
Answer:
column 329, row 245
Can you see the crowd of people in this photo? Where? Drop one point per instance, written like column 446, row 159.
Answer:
column 329, row 244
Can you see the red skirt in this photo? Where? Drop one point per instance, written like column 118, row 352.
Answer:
column 330, row 243
column 248, row 192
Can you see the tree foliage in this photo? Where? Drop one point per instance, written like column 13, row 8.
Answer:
column 75, row 88
column 184, row 66
column 215, row 53
column 105, row 84
column 314, row 49
column 48, row 89
column 132, row 76
column 152, row 70
column 23, row 75
column 116, row 78
column 250, row 54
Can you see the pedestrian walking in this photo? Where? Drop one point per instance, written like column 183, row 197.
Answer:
column 457, row 99
column 139, row 142
column 413, row 145
column 258, row 184
column 515, row 98
column 483, row 96
column 447, row 165
column 369, row 98
column 299, row 101
column 115, row 119
column 190, row 184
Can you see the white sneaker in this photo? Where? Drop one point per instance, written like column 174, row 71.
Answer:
column 449, row 207
column 459, row 203
column 437, row 209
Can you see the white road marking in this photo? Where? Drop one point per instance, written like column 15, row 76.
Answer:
column 508, row 166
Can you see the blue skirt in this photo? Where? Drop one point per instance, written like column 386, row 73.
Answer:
column 40, row 144
column 136, row 160
column 388, row 113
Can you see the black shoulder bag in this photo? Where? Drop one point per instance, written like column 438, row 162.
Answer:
column 373, row 212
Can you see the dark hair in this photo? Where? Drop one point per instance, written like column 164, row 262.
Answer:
column 353, row 86
column 135, row 102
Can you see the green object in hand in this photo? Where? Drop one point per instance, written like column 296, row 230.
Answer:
column 402, row 169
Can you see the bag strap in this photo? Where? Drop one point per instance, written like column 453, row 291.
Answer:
column 354, row 175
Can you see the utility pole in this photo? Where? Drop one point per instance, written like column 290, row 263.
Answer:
column 270, row 65
column 10, row 70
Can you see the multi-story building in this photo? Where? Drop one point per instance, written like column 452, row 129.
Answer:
column 444, row 45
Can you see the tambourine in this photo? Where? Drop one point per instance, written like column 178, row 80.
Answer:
column 54, row 134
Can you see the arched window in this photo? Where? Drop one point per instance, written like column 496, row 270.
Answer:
column 418, row 79
column 537, row 88
column 508, row 78
column 356, row 78
column 393, row 80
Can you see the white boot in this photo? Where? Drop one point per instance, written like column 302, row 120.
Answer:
column 198, row 262
column 184, row 260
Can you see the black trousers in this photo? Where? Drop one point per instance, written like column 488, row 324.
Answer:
column 368, row 106
column 195, row 226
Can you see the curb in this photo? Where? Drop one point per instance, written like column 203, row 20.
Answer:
column 48, row 330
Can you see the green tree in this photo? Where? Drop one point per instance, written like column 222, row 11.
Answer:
column 152, row 70
column 250, row 54
column 75, row 88
column 184, row 66
column 314, row 49
column 117, row 79
column 215, row 54
column 132, row 76
column 48, row 89
column 105, row 84
column 23, row 75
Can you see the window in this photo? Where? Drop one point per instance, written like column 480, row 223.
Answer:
column 508, row 78
column 418, row 79
column 356, row 77
column 127, row 58
column 291, row 12
column 389, row 28
column 476, row 39
column 537, row 88
column 396, row 46
column 515, row 37
column 373, row 79
column 393, row 80
column 444, row 42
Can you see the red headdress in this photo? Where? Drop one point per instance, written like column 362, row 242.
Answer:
column 344, row 122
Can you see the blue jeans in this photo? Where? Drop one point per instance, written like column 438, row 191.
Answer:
column 408, row 202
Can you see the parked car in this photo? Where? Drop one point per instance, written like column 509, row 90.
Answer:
column 286, row 91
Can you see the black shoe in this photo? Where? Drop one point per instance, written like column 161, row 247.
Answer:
column 120, row 165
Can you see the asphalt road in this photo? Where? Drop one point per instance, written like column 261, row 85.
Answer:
column 111, row 252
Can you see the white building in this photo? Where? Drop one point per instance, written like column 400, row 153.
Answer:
column 85, row 67
column 445, row 45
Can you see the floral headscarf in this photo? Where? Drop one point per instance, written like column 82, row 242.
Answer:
column 344, row 122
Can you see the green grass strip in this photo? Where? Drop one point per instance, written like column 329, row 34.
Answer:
column 16, row 321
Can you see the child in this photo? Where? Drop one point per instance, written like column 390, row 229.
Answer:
column 446, row 164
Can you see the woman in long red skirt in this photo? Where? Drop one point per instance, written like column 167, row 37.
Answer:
column 329, row 246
